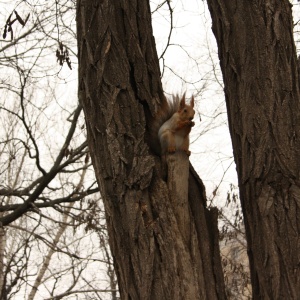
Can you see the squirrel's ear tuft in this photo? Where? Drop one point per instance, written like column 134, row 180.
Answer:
column 182, row 102
column 192, row 101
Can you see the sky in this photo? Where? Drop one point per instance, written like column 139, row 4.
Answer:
column 192, row 56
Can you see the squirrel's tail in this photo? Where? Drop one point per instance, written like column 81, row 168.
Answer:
column 166, row 110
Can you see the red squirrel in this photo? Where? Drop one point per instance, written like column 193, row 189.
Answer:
column 169, row 129
column 174, row 133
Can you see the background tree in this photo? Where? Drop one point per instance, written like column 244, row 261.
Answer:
column 259, row 64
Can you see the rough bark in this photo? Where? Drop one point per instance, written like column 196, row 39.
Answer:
column 158, row 252
column 259, row 64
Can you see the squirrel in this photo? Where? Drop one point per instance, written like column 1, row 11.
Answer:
column 174, row 133
column 172, row 125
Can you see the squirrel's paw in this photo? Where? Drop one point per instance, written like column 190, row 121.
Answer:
column 190, row 123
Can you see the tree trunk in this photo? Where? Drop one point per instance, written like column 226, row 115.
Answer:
column 259, row 64
column 164, row 246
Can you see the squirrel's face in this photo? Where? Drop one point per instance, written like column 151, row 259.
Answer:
column 187, row 113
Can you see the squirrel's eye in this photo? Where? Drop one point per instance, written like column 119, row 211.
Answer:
column 185, row 110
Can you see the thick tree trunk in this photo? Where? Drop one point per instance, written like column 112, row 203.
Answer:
column 259, row 65
column 164, row 246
